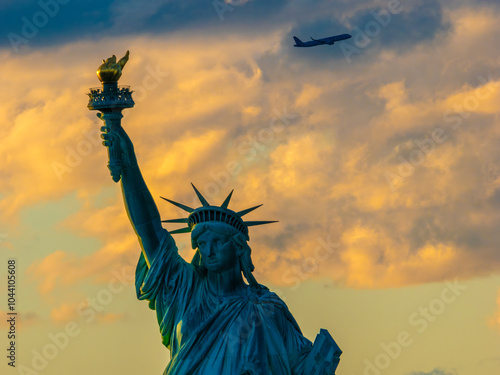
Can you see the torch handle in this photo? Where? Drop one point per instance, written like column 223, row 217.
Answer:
column 115, row 163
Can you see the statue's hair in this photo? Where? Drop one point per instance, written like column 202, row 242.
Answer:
column 239, row 242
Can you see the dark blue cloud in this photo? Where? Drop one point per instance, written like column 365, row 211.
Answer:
column 400, row 27
column 418, row 22
column 421, row 22
column 47, row 22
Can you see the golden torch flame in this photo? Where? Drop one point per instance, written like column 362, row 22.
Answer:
column 110, row 70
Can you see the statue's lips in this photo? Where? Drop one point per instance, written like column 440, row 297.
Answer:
column 212, row 261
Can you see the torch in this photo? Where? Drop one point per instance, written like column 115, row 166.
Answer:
column 111, row 100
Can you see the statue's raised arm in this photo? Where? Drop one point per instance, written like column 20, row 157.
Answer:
column 139, row 203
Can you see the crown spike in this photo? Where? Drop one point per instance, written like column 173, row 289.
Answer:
column 226, row 201
column 200, row 197
column 182, row 230
column 183, row 220
column 253, row 223
column 244, row 212
column 180, row 205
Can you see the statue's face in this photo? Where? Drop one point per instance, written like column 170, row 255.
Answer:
column 217, row 251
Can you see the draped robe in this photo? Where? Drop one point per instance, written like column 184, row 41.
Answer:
column 251, row 333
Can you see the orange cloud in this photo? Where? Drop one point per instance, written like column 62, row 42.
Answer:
column 109, row 318
column 68, row 312
column 357, row 161
column 64, row 313
column 495, row 320
column 308, row 94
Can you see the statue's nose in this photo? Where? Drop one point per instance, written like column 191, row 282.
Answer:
column 211, row 250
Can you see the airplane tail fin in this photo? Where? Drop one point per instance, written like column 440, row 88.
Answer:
column 297, row 41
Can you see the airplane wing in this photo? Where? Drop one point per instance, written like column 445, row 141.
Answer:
column 299, row 43
column 319, row 41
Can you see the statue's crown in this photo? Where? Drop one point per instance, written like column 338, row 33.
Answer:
column 208, row 213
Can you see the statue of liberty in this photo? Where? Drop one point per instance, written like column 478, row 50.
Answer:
column 213, row 315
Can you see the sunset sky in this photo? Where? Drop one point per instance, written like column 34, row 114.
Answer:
column 379, row 156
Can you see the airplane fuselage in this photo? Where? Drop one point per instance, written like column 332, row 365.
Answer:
column 317, row 42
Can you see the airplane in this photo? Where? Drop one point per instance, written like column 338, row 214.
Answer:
column 317, row 42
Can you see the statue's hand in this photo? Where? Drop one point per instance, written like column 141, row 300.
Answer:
column 113, row 134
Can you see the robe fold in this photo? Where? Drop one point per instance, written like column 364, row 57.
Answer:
column 252, row 333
